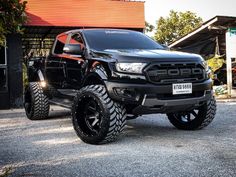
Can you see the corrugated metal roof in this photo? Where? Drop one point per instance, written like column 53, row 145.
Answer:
column 204, row 31
column 86, row 13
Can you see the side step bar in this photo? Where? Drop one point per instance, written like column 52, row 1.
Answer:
column 64, row 98
column 61, row 102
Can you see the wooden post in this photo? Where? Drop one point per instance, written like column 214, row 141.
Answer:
column 230, row 54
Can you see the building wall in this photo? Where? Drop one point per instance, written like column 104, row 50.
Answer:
column 4, row 94
column 89, row 13
column 14, row 61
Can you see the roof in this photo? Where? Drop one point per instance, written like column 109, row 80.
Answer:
column 86, row 13
column 206, row 30
column 98, row 29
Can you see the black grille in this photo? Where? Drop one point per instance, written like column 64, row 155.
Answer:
column 175, row 72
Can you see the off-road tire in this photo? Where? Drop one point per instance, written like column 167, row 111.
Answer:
column 36, row 103
column 206, row 113
column 112, row 117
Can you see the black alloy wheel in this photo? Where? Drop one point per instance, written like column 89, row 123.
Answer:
column 197, row 118
column 96, row 118
column 186, row 117
column 91, row 117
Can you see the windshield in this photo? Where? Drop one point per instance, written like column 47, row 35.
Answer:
column 119, row 39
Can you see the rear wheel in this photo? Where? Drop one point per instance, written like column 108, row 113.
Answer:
column 195, row 119
column 96, row 118
column 35, row 102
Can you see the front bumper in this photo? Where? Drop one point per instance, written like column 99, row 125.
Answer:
column 151, row 98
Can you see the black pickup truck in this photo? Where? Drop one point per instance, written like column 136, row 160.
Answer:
column 106, row 76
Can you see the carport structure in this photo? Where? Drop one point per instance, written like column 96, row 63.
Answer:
column 214, row 36
column 48, row 18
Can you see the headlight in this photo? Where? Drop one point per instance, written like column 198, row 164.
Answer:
column 207, row 69
column 130, row 67
column 205, row 65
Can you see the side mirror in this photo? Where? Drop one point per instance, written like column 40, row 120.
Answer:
column 73, row 49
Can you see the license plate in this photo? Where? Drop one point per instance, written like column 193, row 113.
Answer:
column 183, row 88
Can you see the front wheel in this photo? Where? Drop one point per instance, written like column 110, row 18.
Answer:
column 195, row 119
column 96, row 118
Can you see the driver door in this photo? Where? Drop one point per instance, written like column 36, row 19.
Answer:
column 54, row 71
column 73, row 63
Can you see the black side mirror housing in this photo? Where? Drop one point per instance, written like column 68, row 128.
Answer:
column 73, row 49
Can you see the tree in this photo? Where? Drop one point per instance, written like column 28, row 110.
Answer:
column 176, row 25
column 12, row 17
column 148, row 27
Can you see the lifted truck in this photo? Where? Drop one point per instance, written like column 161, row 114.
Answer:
column 107, row 76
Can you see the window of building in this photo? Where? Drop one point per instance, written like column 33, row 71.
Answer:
column 2, row 56
column 3, row 70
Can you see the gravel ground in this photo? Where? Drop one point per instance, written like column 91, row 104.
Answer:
column 149, row 146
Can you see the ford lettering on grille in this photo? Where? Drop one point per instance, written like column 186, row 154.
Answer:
column 175, row 73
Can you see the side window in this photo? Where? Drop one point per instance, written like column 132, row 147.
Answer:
column 60, row 43
column 59, row 47
column 76, row 39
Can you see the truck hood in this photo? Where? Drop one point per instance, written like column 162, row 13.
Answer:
column 138, row 55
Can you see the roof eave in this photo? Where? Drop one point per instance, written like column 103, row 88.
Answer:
column 195, row 31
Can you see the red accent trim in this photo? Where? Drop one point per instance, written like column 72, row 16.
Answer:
column 70, row 57
column 95, row 63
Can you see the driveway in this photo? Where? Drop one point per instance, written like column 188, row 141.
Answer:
column 149, row 146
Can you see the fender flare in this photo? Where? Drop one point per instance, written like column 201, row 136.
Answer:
column 35, row 75
column 98, row 74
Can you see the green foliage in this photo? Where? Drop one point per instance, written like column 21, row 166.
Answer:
column 149, row 27
column 12, row 17
column 176, row 25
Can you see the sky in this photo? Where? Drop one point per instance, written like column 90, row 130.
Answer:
column 203, row 8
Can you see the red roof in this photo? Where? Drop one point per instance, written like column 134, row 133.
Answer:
column 86, row 13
